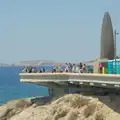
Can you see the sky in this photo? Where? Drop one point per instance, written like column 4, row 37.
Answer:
column 59, row 30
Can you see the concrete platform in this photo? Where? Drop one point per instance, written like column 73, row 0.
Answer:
column 72, row 79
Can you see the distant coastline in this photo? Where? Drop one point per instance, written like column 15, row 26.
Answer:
column 31, row 63
column 5, row 65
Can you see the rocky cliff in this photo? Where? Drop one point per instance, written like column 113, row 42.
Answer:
column 68, row 107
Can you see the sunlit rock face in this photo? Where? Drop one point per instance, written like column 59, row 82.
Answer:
column 107, row 38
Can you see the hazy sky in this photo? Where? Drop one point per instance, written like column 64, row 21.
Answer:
column 60, row 30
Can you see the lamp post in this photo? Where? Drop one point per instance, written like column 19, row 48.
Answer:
column 115, row 50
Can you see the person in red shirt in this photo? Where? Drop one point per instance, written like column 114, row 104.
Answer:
column 100, row 67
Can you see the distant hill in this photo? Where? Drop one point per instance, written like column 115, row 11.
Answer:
column 36, row 63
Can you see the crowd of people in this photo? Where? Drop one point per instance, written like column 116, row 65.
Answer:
column 67, row 67
column 33, row 70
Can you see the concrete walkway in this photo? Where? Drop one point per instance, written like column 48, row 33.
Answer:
column 46, row 79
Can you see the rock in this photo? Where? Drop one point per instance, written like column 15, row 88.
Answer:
column 22, row 103
column 13, row 107
column 41, row 100
column 49, row 118
column 72, row 115
column 34, row 105
column 64, row 108
column 3, row 111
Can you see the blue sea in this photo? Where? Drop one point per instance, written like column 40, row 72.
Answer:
column 11, row 87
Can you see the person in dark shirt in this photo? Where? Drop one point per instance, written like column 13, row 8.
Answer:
column 81, row 68
column 81, row 65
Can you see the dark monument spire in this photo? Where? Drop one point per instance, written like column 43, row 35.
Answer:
column 107, row 38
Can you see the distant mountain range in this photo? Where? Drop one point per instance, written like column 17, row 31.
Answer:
column 32, row 63
column 36, row 63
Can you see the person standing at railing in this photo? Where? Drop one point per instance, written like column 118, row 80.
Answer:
column 81, row 68
column 84, row 68
column 100, row 67
column 66, row 68
column 43, row 70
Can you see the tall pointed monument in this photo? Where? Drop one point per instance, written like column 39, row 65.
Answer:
column 107, row 38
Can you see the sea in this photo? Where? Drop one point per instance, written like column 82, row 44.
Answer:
column 11, row 88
